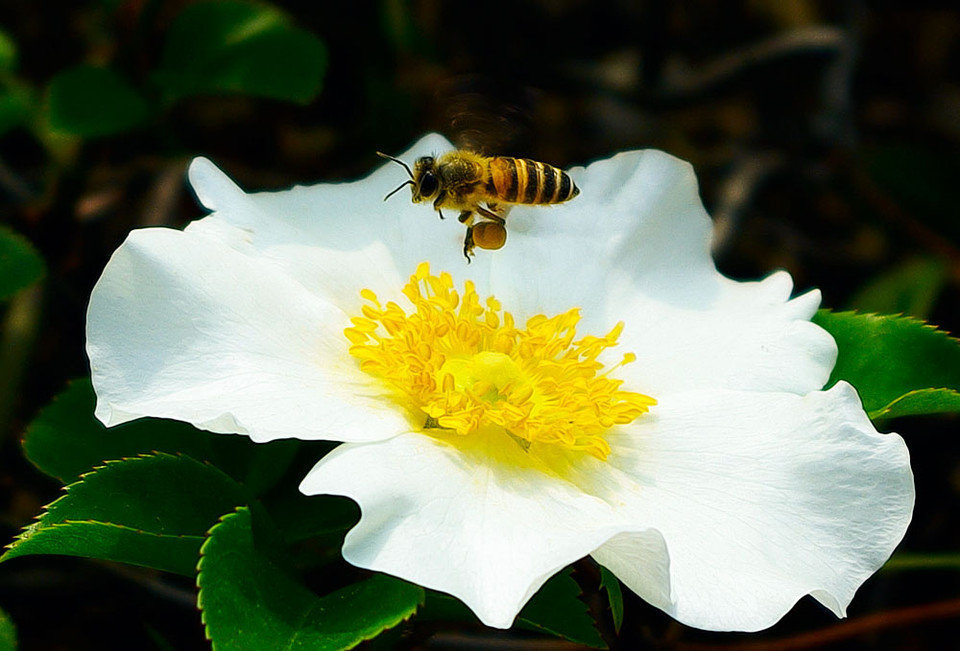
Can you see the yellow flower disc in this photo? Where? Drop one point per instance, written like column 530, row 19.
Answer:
column 464, row 366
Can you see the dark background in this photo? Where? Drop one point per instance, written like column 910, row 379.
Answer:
column 824, row 135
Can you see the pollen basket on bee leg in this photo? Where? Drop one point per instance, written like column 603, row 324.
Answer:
column 489, row 235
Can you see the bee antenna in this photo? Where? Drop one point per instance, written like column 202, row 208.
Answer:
column 399, row 162
column 402, row 186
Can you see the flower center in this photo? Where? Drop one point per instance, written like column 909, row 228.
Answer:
column 465, row 366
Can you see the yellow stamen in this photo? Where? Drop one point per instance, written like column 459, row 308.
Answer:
column 465, row 366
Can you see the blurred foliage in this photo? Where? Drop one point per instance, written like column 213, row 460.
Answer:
column 242, row 48
column 8, row 633
column 824, row 135
column 90, row 101
column 911, row 287
column 20, row 265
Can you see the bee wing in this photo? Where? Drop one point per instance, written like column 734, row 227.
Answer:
column 487, row 115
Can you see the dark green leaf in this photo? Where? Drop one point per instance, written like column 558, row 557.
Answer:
column 911, row 288
column 325, row 517
column 8, row 633
column 557, row 609
column 610, row 583
column 258, row 466
column 112, row 542
column 250, row 601
column 90, row 101
column 151, row 511
column 65, row 440
column 899, row 366
column 240, row 47
column 20, row 264
column 17, row 105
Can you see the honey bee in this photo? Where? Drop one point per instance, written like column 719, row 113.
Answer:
column 462, row 180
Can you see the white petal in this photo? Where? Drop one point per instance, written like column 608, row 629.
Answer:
column 751, row 337
column 639, row 209
column 639, row 220
column 182, row 326
column 334, row 238
column 215, row 190
column 489, row 534
column 760, row 499
column 634, row 246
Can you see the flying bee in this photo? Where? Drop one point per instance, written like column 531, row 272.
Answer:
column 462, row 180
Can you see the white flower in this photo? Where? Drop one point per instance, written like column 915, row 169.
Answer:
column 486, row 458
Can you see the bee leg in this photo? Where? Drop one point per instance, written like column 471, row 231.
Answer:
column 468, row 244
column 489, row 214
column 439, row 202
column 465, row 216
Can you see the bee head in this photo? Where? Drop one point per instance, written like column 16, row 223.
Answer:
column 423, row 179
column 426, row 184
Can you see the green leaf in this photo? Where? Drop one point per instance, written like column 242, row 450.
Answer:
column 939, row 561
column 249, row 600
column 8, row 53
column 8, row 633
column 111, row 542
column 920, row 402
column 323, row 517
column 899, row 366
column 558, row 610
column 90, row 101
column 911, row 288
column 610, row 583
column 20, row 264
column 17, row 105
column 240, row 47
column 258, row 466
column 65, row 440
column 151, row 511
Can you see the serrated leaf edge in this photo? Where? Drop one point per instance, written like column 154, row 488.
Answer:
column 883, row 411
column 899, row 316
column 200, row 561
column 586, row 609
column 12, row 548
column 203, row 618
column 32, row 528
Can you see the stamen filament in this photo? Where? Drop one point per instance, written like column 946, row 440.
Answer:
column 464, row 365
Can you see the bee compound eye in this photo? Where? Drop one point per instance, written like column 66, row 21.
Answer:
column 428, row 185
column 489, row 235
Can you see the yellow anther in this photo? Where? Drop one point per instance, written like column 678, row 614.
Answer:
column 463, row 365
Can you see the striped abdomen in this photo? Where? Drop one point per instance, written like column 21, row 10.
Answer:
column 521, row 180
